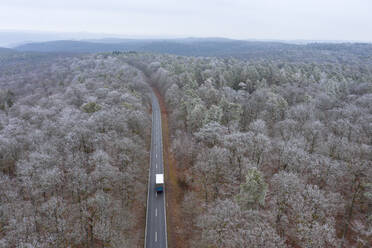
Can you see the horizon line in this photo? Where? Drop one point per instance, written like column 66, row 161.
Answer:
column 101, row 36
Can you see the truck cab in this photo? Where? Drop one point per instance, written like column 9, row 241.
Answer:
column 159, row 182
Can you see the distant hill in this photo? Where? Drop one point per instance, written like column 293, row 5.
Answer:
column 6, row 54
column 14, row 61
column 6, row 51
column 77, row 46
column 219, row 47
column 188, row 46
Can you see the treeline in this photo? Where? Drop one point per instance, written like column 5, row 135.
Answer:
column 272, row 153
column 74, row 135
column 346, row 53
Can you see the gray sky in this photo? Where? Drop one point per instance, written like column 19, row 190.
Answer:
column 242, row 19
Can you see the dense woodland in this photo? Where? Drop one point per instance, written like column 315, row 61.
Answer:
column 274, row 152
column 74, row 136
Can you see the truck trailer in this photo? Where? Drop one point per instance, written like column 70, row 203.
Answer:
column 159, row 182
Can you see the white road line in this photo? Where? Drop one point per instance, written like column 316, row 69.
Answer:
column 156, row 236
column 156, row 194
column 156, row 165
column 156, row 212
column 156, row 155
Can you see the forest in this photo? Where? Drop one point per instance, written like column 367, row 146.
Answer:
column 74, row 134
column 271, row 151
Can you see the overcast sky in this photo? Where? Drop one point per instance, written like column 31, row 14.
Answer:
column 242, row 19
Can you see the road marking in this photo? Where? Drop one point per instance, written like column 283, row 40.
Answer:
column 156, row 165
column 156, row 212
column 156, row 155
column 156, row 236
column 156, row 194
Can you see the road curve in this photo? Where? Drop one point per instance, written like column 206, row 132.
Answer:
column 156, row 227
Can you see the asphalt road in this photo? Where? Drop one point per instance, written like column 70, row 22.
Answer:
column 156, row 229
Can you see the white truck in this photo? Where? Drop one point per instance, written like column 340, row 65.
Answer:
column 159, row 182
